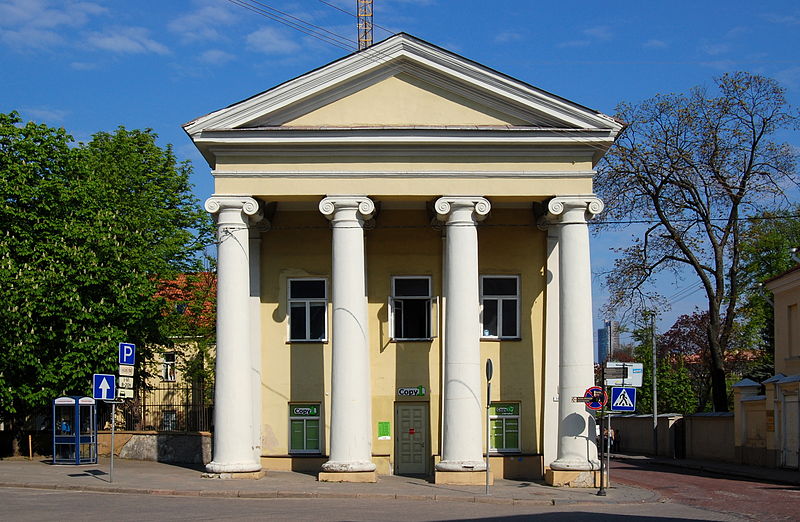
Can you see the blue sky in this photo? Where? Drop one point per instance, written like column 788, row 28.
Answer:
column 95, row 65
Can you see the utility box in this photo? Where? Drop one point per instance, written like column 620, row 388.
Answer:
column 74, row 430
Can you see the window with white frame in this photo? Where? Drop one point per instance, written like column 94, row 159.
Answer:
column 504, row 425
column 304, row 428
column 500, row 307
column 308, row 303
column 169, row 420
column 410, row 308
column 168, row 367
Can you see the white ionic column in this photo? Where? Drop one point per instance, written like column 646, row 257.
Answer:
column 576, row 437
column 257, row 227
column 462, row 426
column 233, row 414
column 351, row 400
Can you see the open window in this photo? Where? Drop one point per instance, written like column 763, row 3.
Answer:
column 410, row 308
column 500, row 307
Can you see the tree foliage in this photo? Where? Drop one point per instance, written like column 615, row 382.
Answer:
column 88, row 230
column 695, row 166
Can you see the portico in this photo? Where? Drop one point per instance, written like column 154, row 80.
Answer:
column 403, row 251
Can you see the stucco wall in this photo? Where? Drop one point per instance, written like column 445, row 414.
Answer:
column 403, row 243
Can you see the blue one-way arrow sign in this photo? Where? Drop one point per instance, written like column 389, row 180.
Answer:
column 104, row 386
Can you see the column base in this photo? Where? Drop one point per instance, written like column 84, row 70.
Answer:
column 572, row 479
column 348, row 467
column 463, row 478
column 244, row 475
column 345, row 476
column 575, row 464
column 233, row 467
column 461, row 466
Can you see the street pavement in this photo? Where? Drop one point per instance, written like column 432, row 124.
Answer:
column 685, row 489
column 143, row 477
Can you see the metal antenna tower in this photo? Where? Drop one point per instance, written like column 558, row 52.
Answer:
column 364, row 23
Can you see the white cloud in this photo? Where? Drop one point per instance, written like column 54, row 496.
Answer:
column 784, row 19
column 131, row 40
column 31, row 39
column 216, row 57
column 655, row 44
column 508, row 36
column 35, row 25
column 202, row 23
column 789, row 78
column 574, row 43
column 600, row 32
column 714, row 49
column 46, row 14
column 269, row 40
column 45, row 114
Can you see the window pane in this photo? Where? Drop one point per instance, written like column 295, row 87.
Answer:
column 317, row 320
column 512, row 433
column 415, row 287
column 489, row 317
column 497, row 434
column 415, row 319
column 510, row 318
column 297, row 321
column 297, row 435
column 306, row 288
column 500, row 286
column 312, row 434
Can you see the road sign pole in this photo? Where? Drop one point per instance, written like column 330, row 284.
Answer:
column 489, row 371
column 113, row 424
column 602, row 491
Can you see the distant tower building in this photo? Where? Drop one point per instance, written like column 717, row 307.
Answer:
column 607, row 340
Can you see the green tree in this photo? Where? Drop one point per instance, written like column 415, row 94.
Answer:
column 694, row 165
column 676, row 393
column 89, row 230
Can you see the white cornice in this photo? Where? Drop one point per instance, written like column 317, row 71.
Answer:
column 428, row 174
column 434, row 64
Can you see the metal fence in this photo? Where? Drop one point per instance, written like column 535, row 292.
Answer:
column 166, row 407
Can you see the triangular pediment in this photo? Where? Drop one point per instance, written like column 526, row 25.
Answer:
column 403, row 82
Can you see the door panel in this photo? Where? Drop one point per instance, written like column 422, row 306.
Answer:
column 411, row 438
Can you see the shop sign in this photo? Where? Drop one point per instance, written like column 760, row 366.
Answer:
column 504, row 408
column 305, row 410
column 418, row 391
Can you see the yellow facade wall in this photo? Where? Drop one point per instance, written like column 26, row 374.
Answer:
column 403, row 242
column 405, row 101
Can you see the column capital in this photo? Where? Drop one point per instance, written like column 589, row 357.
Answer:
column 564, row 210
column 358, row 208
column 447, row 206
column 220, row 202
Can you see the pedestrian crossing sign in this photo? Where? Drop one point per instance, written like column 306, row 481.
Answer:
column 623, row 398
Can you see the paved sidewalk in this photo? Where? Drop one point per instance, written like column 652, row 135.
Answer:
column 728, row 469
column 141, row 477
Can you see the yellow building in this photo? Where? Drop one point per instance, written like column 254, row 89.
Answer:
column 768, row 424
column 386, row 224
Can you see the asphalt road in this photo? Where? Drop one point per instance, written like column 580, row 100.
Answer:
column 22, row 504
column 755, row 500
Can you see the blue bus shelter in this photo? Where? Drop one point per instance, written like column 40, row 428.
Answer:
column 74, row 430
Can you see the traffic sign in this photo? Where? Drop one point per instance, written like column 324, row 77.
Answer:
column 104, row 386
column 126, row 370
column 127, row 353
column 126, row 382
column 623, row 398
column 598, row 397
column 623, row 374
column 125, row 393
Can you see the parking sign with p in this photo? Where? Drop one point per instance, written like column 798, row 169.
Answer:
column 127, row 353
